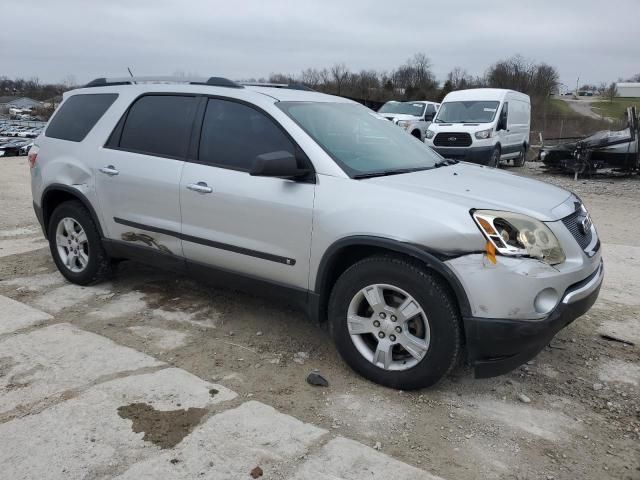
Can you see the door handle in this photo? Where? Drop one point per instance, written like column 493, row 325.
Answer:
column 109, row 170
column 200, row 187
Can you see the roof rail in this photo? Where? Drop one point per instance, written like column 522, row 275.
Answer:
column 289, row 86
column 211, row 81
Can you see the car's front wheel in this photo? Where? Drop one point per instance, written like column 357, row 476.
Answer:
column 494, row 159
column 395, row 323
column 76, row 246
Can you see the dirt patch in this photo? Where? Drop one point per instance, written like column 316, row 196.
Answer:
column 164, row 428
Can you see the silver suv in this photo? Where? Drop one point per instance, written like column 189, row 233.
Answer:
column 412, row 261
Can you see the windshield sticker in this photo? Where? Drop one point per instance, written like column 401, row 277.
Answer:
column 492, row 110
column 417, row 104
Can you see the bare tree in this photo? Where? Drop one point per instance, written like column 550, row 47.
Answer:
column 459, row 79
column 69, row 82
column 518, row 73
column 339, row 74
column 612, row 91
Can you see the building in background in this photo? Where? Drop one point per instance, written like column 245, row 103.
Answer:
column 628, row 89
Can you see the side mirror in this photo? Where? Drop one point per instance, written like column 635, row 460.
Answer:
column 279, row 164
column 429, row 117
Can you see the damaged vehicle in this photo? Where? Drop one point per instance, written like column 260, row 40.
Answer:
column 413, row 262
column 414, row 117
column 615, row 149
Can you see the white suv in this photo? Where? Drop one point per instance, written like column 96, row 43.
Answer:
column 412, row 261
column 414, row 117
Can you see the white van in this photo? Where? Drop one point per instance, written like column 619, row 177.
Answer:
column 482, row 125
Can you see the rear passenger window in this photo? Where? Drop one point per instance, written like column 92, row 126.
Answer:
column 159, row 125
column 233, row 135
column 78, row 115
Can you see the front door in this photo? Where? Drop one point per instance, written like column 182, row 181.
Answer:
column 256, row 226
column 138, row 173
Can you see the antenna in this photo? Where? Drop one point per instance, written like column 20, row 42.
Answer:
column 131, row 73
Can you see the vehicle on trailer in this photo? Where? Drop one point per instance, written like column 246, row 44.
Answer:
column 414, row 117
column 411, row 260
column 482, row 125
column 617, row 149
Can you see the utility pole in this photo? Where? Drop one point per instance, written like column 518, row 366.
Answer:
column 577, row 82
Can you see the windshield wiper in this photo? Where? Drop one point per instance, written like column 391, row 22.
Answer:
column 385, row 173
column 445, row 162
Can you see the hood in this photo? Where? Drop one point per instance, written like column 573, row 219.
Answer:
column 475, row 186
column 399, row 116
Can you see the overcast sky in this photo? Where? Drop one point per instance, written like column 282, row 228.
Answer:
column 51, row 39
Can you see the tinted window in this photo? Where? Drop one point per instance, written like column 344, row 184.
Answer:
column 431, row 108
column 159, row 125
column 78, row 115
column 233, row 135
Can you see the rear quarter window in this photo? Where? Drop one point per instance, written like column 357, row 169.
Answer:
column 78, row 115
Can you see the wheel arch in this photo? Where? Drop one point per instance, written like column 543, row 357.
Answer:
column 54, row 195
column 347, row 251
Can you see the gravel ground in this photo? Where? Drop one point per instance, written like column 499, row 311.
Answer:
column 572, row 412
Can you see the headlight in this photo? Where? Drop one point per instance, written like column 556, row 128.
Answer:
column 513, row 234
column 430, row 134
column 484, row 134
column 404, row 123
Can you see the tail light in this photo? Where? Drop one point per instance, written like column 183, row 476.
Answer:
column 32, row 157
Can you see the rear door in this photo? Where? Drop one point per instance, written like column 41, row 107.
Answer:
column 138, row 172
column 256, row 226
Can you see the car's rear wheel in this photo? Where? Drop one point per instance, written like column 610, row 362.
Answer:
column 521, row 158
column 75, row 245
column 395, row 323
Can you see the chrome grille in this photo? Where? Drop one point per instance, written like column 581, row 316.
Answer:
column 574, row 223
column 453, row 139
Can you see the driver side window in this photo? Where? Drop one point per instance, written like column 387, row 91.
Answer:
column 234, row 134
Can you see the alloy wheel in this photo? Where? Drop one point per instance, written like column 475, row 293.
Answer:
column 72, row 245
column 388, row 327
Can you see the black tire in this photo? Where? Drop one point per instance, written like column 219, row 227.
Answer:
column 416, row 133
column 521, row 158
column 434, row 298
column 98, row 267
column 494, row 159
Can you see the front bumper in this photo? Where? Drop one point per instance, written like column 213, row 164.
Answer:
column 497, row 346
column 480, row 155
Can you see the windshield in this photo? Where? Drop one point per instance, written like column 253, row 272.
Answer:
column 473, row 111
column 359, row 140
column 406, row 108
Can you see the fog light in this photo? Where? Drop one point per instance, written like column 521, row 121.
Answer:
column 546, row 300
